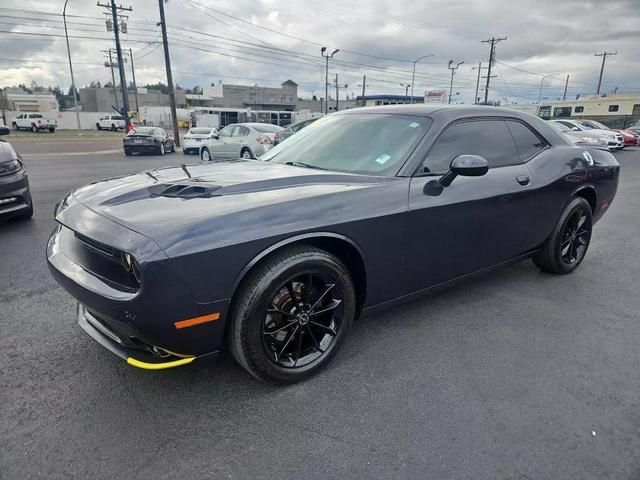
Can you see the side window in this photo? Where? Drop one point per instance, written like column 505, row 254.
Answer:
column 567, row 124
column 613, row 108
column 241, row 131
column 578, row 110
column 490, row 139
column 226, row 131
column 527, row 142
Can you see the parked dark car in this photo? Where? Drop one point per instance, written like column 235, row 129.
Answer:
column 292, row 129
column 276, row 257
column 148, row 140
column 15, row 196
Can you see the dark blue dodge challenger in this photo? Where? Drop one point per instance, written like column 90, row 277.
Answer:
column 275, row 258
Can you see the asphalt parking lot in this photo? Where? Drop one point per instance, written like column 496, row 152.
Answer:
column 515, row 375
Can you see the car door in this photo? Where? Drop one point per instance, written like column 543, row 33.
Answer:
column 475, row 222
column 239, row 138
column 221, row 148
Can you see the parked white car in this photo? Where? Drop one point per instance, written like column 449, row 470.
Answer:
column 111, row 122
column 34, row 122
column 614, row 140
column 579, row 138
column 240, row 140
column 196, row 137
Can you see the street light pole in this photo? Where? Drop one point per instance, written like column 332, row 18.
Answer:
column 453, row 71
column 413, row 73
column 326, row 77
column 406, row 91
column 479, row 67
column 541, row 82
column 73, row 83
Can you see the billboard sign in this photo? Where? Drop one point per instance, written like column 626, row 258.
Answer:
column 435, row 96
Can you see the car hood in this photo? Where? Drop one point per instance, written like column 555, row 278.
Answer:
column 156, row 203
column 595, row 132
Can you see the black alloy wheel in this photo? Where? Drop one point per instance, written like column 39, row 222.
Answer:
column 567, row 245
column 291, row 314
column 302, row 320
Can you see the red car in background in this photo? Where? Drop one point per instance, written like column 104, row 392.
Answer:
column 629, row 138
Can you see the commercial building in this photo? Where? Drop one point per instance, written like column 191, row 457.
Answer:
column 377, row 100
column 101, row 99
column 16, row 99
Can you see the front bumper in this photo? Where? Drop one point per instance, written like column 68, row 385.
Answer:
column 155, row 323
column 15, row 196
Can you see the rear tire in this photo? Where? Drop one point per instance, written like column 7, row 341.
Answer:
column 34, row 129
column 98, row 126
column 205, row 155
column 282, row 331
column 52, row 129
column 567, row 245
column 15, row 126
column 127, row 153
column 246, row 154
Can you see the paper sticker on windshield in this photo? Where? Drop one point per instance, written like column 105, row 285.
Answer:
column 414, row 124
column 382, row 159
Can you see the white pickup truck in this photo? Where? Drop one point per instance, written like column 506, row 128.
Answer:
column 34, row 122
column 111, row 122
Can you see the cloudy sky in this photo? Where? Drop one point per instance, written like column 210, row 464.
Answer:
column 266, row 42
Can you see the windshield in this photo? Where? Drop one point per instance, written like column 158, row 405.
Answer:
column 200, row 131
column 598, row 125
column 266, row 128
column 559, row 127
column 360, row 143
column 142, row 131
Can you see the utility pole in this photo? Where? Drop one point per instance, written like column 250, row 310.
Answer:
column 113, row 77
column 167, row 62
column 406, row 91
column 326, row 77
column 453, row 71
column 116, row 31
column 413, row 73
column 566, row 84
column 338, row 87
column 364, row 84
column 493, row 41
column 135, row 86
column 479, row 67
column 604, row 59
column 73, row 83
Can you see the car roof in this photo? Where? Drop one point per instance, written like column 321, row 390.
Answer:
column 447, row 112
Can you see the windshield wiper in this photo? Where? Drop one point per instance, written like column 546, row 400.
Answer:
column 305, row 165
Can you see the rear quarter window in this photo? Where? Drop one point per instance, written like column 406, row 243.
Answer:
column 527, row 142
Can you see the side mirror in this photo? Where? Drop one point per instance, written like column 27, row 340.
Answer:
column 4, row 130
column 575, row 129
column 466, row 166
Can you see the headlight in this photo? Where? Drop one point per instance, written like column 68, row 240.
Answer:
column 589, row 140
column 131, row 265
column 12, row 166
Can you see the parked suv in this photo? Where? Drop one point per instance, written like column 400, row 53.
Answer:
column 34, row 122
column 15, row 196
column 111, row 122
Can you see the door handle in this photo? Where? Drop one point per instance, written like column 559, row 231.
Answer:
column 523, row 180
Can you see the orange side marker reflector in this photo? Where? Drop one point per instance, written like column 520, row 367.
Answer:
column 196, row 321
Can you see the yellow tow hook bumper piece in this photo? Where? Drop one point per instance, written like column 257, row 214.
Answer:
column 159, row 366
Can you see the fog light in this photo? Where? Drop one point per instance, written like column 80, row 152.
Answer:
column 5, row 201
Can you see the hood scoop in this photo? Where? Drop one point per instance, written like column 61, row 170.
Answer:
column 187, row 190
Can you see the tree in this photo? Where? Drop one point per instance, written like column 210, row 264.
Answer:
column 158, row 86
column 57, row 92
column 315, row 99
column 95, row 84
column 70, row 92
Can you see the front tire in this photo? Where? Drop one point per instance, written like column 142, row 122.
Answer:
column 34, row 129
column 291, row 315
column 161, row 149
column 113, row 127
column 567, row 245
column 52, row 129
column 98, row 126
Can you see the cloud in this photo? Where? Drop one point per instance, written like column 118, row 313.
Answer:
column 206, row 46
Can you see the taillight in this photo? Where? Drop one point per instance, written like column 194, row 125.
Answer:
column 264, row 140
column 39, row 122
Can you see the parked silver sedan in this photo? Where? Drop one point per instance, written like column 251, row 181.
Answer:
column 240, row 140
